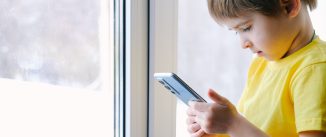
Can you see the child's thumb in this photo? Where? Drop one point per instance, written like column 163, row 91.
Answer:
column 213, row 95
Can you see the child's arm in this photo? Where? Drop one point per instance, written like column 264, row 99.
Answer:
column 220, row 117
column 312, row 134
column 309, row 100
column 243, row 128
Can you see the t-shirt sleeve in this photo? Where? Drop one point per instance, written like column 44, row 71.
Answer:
column 308, row 91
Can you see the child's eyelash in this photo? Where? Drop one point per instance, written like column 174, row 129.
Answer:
column 246, row 29
column 243, row 30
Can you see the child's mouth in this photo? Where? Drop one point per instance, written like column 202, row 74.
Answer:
column 259, row 53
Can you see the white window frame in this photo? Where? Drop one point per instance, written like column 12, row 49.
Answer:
column 136, row 68
column 151, row 44
column 163, row 50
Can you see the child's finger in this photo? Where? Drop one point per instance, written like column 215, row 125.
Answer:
column 200, row 118
column 191, row 120
column 193, row 128
column 199, row 133
column 198, row 106
column 213, row 95
column 191, row 112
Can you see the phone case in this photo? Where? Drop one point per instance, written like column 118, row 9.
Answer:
column 178, row 87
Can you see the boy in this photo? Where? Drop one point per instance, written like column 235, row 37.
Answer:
column 285, row 94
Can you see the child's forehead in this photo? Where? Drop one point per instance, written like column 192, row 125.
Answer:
column 237, row 21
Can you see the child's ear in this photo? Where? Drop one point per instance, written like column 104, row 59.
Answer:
column 291, row 7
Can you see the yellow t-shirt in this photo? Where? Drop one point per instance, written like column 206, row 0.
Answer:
column 287, row 96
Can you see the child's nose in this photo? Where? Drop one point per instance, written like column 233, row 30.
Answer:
column 246, row 44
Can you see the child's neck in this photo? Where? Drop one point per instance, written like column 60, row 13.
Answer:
column 305, row 35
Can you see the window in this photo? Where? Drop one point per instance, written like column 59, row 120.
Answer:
column 317, row 19
column 56, row 68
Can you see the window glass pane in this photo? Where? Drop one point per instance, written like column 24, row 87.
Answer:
column 51, row 41
column 210, row 56
column 53, row 55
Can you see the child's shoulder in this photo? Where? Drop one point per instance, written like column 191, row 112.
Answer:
column 321, row 44
column 313, row 54
column 316, row 53
column 310, row 58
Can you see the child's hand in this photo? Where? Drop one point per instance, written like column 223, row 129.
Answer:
column 211, row 118
column 193, row 127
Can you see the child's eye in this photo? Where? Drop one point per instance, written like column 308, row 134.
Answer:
column 243, row 29
column 246, row 29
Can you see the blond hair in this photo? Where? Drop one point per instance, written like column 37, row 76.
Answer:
column 222, row 9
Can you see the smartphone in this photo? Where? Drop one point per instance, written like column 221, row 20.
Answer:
column 178, row 87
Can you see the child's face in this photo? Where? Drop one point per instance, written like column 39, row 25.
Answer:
column 268, row 37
